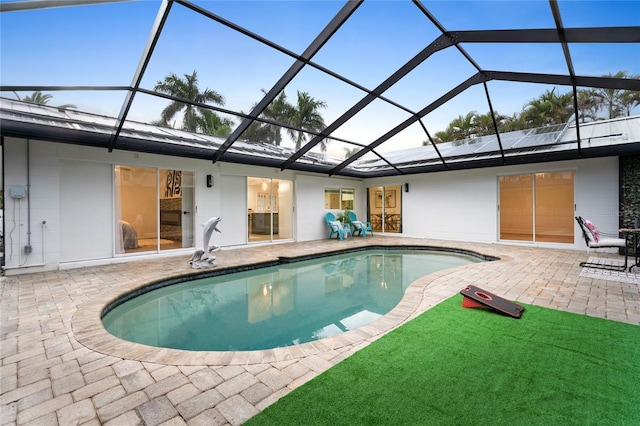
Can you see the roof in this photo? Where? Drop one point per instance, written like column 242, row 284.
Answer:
column 392, row 74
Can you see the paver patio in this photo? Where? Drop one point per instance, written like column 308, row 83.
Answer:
column 59, row 366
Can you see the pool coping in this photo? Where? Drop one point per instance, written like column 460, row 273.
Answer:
column 89, row 331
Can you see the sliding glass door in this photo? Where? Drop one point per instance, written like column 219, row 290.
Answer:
column 153, row 209
column 270, row 209
column 384, row 207
column 537, row 207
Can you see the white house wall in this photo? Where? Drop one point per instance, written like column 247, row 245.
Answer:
column 462, row 205
column 454, row 206
column 597, row 194
column 233, row 225
column 77, row 182
column 71, row 201
column 42, row 191
column 309, row 203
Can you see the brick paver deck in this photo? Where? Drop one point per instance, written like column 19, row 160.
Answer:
column 60, row 367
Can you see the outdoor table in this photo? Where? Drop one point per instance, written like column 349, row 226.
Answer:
column 631, row 234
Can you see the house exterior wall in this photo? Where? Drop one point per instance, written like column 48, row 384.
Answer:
column 70, row 189
column 462, row 205
column 309, row 202
column 70, row 204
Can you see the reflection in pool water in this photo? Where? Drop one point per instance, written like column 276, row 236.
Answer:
column 275, row 306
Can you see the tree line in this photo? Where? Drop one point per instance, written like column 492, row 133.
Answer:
column 303, row 114
column 549, row 108
column 305, row 119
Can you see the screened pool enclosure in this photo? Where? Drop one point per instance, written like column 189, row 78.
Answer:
column 356, row 88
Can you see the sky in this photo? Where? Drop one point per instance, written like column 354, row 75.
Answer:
column 101, row 45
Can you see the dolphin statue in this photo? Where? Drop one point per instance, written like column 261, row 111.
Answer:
column 202, row 258
column 209, row 226
column 197, row 255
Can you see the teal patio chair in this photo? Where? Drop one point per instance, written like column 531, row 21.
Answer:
column 335, row 227
column 358, row 226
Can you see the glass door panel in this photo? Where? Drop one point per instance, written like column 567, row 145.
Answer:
column 385, row 208
column 392, row 209
column 282, row 208
column 136, row 204
column 188, row 209
column 554, row 207
column 516, row 207
column 270, row 209
column 176, row 209
column 375, row 211
column 259, row 217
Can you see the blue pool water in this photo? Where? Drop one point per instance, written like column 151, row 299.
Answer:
column 275, row 306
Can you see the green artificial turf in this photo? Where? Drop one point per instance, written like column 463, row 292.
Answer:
column 454, row 365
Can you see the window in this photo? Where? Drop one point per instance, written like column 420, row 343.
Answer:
column 339, row 198
column 537, row 207
column 347, row 196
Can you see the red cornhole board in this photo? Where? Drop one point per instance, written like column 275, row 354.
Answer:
column 475, row 297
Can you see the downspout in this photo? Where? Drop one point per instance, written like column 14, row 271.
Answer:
column 28, row 248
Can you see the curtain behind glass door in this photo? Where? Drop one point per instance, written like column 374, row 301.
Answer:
column 554, row 207
column 537, row 207
column 516, row 207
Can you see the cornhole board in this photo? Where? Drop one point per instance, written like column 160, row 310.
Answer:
column 476, row 297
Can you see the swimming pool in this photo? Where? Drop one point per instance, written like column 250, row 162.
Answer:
column 275, row 306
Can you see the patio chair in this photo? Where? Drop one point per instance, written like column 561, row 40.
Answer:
column 358, row 226
column 336, row 228
column 593, row 238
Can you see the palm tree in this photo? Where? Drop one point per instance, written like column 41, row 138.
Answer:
column 513, row 123
column 630, row 99
column 40, row 98
column 483, row 124
column 257, row 132
column 439, row 137
column 279, row 110
column 549, row 108
column 588, row 105
column 609, row 99
column 562, row 111
column 348, row 152
column 305, row 115
column 212, row 124
column 186, row 88
column 461, row 127
column 613, row 102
